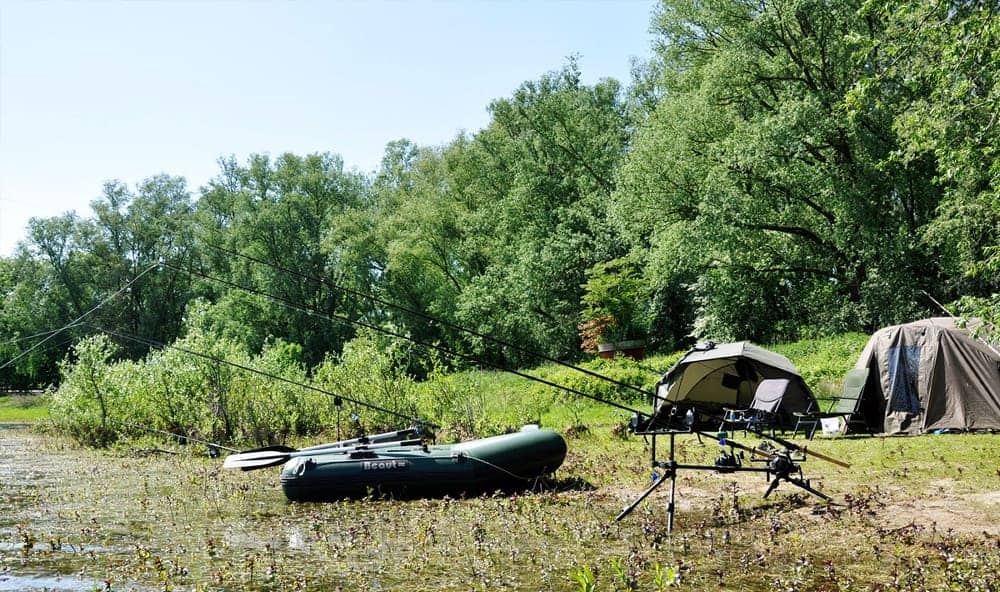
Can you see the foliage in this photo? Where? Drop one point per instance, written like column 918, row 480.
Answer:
column 185, row 391
column 615, row 302
column 823, row 363
column 794, row 216
column 541, row 174
column 777, row 170
column 263, row 225
column 937, row 67
column 90, row 393
column 371, row 370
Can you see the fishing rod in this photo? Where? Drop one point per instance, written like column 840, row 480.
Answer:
column 173, row 435
column 77, row 320
column 343, row 318
column 427, row 317
column 949, row 313
column 159, row 345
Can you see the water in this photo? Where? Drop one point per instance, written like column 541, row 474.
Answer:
column 26, row 564
column 27, row 583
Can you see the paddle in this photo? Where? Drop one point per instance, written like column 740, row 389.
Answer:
column 394, row 436
column 270, row 456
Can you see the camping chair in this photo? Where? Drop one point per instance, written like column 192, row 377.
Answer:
column 847, row 405
column 763, row 410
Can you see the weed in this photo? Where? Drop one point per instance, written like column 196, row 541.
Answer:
column 584, row 577
column 664, row 577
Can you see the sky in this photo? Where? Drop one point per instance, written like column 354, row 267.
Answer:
column 92, row 91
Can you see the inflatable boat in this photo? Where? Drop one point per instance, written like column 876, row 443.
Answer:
column 389, row 465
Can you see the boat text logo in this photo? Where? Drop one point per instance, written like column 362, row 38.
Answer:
column 384, row 465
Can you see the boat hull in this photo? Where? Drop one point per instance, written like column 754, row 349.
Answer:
column 508, row 462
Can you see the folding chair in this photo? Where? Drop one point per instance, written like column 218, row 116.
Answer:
column 763, row 410
column 847, row 405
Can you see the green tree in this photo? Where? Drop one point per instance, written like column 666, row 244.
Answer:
column 539, row 178
column 937, row 67
column 29, row 310
column 276, row 213
column 407, row 244
column 70, row 266
column 753, row 185
column 132, row 232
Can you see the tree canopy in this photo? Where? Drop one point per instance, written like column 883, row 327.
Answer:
column 776, row 169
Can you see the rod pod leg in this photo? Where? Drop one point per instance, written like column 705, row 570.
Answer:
column 673, row 487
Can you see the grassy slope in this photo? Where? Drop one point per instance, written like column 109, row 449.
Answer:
column 508, row 400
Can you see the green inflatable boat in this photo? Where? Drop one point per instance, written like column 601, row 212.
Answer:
column 411, row 468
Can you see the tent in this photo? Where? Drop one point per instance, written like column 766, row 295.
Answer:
column 930, row 375
column 712, row 377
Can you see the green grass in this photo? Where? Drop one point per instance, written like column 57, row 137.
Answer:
column 504, row 401
column 911, row 516
column 914, row 513
column 23, row 408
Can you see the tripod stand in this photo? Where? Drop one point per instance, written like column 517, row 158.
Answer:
column 781, row 464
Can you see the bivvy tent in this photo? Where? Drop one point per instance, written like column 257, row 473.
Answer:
column 713, row 377
column 930, row 375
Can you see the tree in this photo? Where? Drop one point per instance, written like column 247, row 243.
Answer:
column 752, row 186
column 937, row 65
column 539, row 178
column 147, row 233
column 263, row 225
column 406, row 245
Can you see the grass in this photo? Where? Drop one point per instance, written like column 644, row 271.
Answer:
column 23, row 408
column 911, row 518
column 916, row 513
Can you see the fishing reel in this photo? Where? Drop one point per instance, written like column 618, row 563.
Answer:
column 728, row 462
column 781, row 465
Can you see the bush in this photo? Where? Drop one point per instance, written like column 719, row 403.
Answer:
column 102, row 398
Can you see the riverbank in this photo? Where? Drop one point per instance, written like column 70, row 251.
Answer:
column 915, row 513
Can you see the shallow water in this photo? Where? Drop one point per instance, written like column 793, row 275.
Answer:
column 16, row 583
column 29, row 472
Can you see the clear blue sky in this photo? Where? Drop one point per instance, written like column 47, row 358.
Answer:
column 92, row 91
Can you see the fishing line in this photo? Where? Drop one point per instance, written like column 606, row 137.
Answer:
column 29, row 337
column 367, row 325
column 160, row 345
column 172, row 435
column 83, row 316
column 427, row 317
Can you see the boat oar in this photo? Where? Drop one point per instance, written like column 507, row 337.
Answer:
column 260, row 458
column 393, row 436
column 269, row 456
